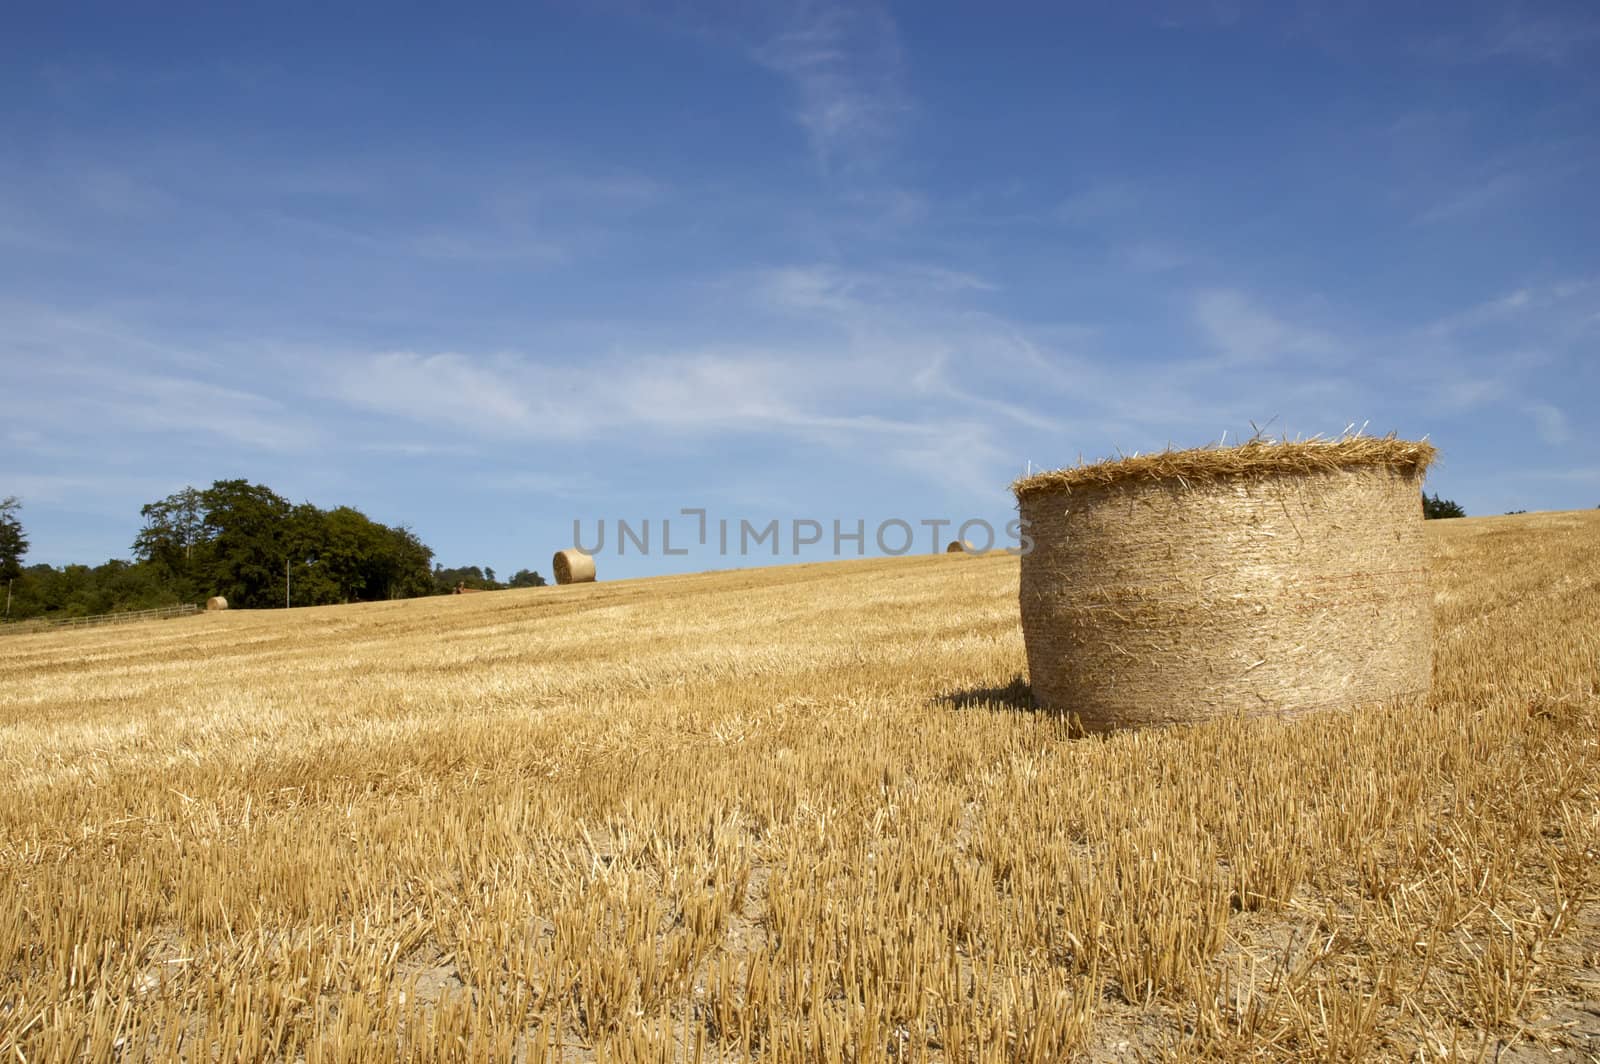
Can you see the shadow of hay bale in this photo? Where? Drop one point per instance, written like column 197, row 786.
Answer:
column 1016, row 696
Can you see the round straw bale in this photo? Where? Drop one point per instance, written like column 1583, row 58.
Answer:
column 960, row 546
column 1267, row 578
column 573, row 567
column 216, row 602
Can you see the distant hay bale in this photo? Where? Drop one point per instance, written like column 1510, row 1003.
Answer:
column 1267, row 578
column 573, row 567
column 216, row 602
column 961, row 546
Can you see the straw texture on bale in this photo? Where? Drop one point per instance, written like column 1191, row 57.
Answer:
column 1267, row 578
column 216, row 602
column 573, row 567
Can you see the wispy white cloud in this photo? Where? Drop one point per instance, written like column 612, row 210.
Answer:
column 1099, row 203
column 1489, row 355
column 455, row 242
column 512, row 208
column 1559, row 311
column 845, row 64
column 1582, row 475
column 58, row 337
column 1245, row 332
column 631, row 402
column 963, row 454
column 1550, row 423
column 1491, row 191
column 845, row 293
column 685, row 394
column 811, row 289
column 92, row 368
column 545, row 186
column 440, row 389
column 414, row 448
column 934, row 379
column 1450, row 178
column 901, row 373
column 86, row 493
column 1457, row 392
column 186, row 407
column 539, row 483
column 1497, row 309
column 1513, row 32
column 1155, row 256
column 907, row 368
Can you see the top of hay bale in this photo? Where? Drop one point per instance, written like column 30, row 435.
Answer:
column 1257, row 457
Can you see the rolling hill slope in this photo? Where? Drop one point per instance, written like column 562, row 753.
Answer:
column 795, row 813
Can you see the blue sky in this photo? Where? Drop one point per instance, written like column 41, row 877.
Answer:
column 486, row 273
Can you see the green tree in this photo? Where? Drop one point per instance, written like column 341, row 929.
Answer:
column 342, row 555
column 81, row 590
column 346, row 548
column 407, row 563
column 1435, row 507
column 176, row 542
column 445, row 580
column 527, row 578
column 13, row 541
column 124, row 585
column 248, row 525
column 308, row 561
column 236, row 539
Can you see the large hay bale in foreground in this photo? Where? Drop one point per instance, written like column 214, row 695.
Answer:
column 573, row 567
column 216, row 602
column 1264, row 578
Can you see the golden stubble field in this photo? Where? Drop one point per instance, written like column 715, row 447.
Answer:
column 794, row 814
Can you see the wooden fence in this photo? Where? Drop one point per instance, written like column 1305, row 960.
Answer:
column 46, row 623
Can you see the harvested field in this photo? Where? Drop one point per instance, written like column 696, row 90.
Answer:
column 799, row 813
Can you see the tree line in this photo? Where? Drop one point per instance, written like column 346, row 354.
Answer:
column 1434, row 508
column 246, row 543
